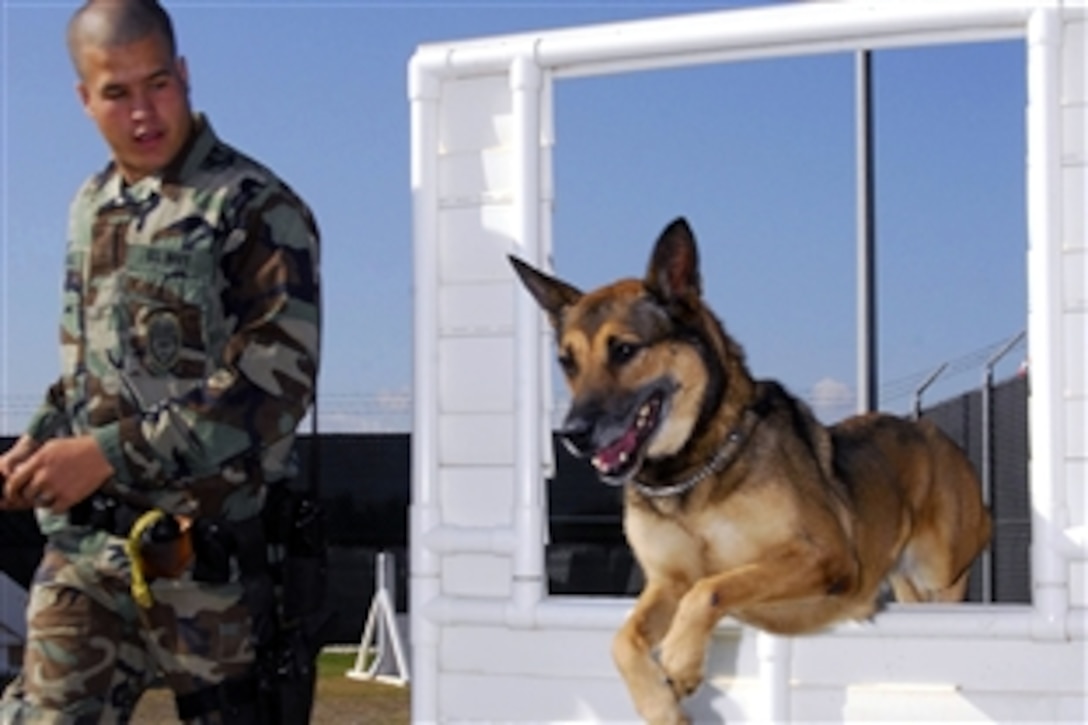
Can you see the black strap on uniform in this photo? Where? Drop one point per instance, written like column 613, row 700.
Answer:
column 314, row 484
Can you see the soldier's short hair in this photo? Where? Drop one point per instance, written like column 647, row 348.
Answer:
column 118, row 22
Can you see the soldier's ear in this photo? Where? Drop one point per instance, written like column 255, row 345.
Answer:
column 84, row 94
column 553, row 295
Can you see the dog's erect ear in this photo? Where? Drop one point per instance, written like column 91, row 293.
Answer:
column 673, row 274
column 553, row 295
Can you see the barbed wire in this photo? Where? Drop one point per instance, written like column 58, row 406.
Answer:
column 391, row 411
column 975, row 360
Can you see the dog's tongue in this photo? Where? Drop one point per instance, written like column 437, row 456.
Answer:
column 616, row 454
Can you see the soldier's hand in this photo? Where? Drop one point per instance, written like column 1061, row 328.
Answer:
column 57, row 475
column 19, row 451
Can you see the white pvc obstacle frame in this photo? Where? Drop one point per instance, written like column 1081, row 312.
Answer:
column 488, row 643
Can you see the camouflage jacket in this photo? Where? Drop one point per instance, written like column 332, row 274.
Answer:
column 190, row 330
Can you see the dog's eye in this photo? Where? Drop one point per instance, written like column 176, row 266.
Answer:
column 567, row 363
column 620, row 351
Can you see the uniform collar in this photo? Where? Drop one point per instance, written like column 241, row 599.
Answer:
column 189, row 159
column 194, row 151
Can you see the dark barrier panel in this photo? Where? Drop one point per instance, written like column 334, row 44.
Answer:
column 1012, row 494
column 364, row 484
column 962, row 419
column 365, row 480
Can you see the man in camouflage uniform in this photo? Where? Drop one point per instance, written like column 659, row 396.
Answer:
column 189, row 349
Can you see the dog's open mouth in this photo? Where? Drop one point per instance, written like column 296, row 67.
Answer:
column 616, row 461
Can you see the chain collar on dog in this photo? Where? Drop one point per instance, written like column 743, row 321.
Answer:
column 722, row 458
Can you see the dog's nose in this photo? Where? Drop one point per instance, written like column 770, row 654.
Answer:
column 577, row 434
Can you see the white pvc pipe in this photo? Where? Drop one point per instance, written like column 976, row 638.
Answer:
column 784, row 31
column 552, row 613
column 745, row 34
column 423, row 97
column 775, row 657
column 1004, row 621
column 998, row 621
column 528, row 565
column 1049, row 569
column 423, row 93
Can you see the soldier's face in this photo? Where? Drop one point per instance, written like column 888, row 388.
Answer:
column 138, row 95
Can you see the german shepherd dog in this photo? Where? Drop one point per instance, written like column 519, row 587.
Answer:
column 737, row 500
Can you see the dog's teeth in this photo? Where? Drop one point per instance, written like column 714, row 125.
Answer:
column 623, row 458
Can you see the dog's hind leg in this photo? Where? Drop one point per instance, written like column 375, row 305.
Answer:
column 915, row 586
column 955, row 593
column 927, row 570
column 904, row 589
column 950, row 526
column 633, row 652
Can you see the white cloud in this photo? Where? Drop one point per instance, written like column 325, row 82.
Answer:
column 831, row 400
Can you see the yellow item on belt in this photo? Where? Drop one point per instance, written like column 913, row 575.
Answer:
column 140, row 589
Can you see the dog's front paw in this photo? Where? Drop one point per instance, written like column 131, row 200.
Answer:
column 683, row 667
column 669, row 716
column 658, row 704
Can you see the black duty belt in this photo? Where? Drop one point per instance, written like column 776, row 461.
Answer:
column 215, row 541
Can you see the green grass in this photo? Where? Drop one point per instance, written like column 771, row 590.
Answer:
column 340, row 699
column 334, row 664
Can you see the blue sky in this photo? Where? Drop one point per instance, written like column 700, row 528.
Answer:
column 759, row 156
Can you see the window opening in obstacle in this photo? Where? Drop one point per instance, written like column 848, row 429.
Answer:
column 751, row 153
column 951, row 258
column 760, row 157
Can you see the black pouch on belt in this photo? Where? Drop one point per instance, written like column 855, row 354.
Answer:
column 213, row 547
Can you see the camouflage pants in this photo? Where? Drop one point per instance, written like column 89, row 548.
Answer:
column 92, row 651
